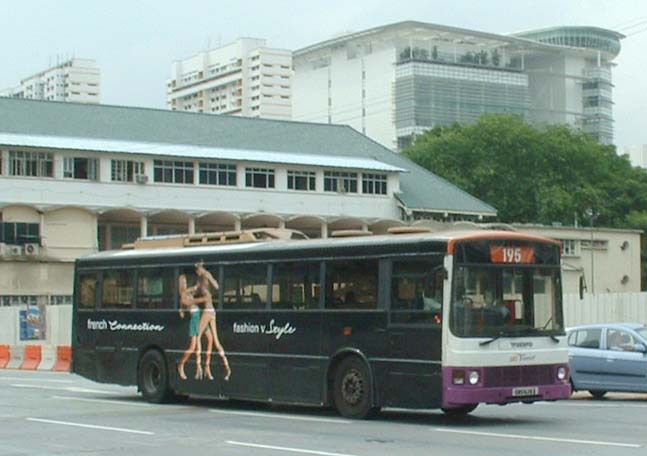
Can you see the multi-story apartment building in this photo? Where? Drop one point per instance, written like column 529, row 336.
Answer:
column 70, row 186
column 76, row 80
column 637, row 154
column 244, row 78
column 396, row 81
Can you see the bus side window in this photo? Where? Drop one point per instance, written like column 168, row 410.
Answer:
column 87, row 290
column 295, row 285
column 156, row 288
column 245, row 286
column 417, row 292
column 351, row 284
column 118, row 289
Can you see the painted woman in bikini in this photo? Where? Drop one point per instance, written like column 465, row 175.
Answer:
column 208, row 320
column 188, row 301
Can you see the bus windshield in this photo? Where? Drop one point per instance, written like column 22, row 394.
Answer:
column 491, row 301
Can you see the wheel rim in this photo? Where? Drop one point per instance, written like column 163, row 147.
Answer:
column 153, row 377
column 352, row 387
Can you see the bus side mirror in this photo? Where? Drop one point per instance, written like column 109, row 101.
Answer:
column 582, row 287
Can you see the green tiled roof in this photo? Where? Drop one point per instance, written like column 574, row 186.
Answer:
column 420, row 189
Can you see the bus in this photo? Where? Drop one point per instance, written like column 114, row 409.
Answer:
column 446, row 320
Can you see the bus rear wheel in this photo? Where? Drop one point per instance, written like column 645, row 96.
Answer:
column 153, row 378
column 352, row 390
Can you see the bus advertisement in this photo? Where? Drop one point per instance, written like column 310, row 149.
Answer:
column 443, row 320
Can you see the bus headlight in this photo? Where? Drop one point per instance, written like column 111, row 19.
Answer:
column 561, row 373
column 474, row 377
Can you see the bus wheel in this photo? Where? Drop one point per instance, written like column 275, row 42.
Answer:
column 459, row 411
column 352, row 389
column 153, row 377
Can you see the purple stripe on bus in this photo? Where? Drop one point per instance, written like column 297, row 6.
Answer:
column 466, row 394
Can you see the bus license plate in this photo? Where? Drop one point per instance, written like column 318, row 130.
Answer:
column 532, row 391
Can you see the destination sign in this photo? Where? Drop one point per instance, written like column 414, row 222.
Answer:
column 512, row 254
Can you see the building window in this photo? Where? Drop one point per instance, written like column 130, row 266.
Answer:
column 36, row 164
column 374, row 184
column 569, row 247
column 335, row 181
column 301, row 180
column 259, row 177
column 18, row 233
column 173, row 172
column 81, row 168
column 217, row 174
column 126, row 170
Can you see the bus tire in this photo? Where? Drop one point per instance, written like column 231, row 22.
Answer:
column 352, row 389
column 153, row 378
column 456, row 412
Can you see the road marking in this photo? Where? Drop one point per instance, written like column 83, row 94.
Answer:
column 287, row 449
column 609, row 405
column 28, row 379
column 281, row 416
column 72, row 389
column 90, row 426
column 106, row 401
column 544, row 439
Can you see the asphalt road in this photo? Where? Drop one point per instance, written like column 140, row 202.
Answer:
column 47, row 413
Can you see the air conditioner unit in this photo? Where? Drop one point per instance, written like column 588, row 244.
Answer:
column 32, row 249
column 14, row 250
column 3, row 249
column 141, row 178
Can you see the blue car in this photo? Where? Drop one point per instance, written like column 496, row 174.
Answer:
column 608, row 357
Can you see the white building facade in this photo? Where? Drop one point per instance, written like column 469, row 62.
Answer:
column 637, row 154
column 75, row 80
column 400, row 80
column 243, row 78
column 74, row 187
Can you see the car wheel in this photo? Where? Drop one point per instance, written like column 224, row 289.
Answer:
column 459, row 411
column 153, row 379
column 597, row 394
column 352, row 390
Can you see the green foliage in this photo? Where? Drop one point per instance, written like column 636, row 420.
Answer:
column 536, row 174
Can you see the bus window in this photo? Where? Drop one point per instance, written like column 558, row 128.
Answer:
column 295, row 286
column 417, row 292
column 87, row 290
column 118, row 290
column 351, row 284
column 156, row 288
column 245, row 287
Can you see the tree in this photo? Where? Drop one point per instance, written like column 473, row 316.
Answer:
column 536, row 174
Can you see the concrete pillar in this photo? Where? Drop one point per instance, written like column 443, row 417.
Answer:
column 143, row 226
column 192, row 225
column 324, row 230
column 237, row 225
column 43, row 234
column 364, row 226
column 282, row 224
column 108, row 234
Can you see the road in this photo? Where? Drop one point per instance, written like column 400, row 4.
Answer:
column 48, row 413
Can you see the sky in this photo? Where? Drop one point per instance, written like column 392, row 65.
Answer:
column 135, row 41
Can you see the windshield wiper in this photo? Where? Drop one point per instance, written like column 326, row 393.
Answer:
column 517, row 334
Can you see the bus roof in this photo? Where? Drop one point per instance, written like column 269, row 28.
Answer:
column 443, row 241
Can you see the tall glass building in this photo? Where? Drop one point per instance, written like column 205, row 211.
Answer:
column 396, row 81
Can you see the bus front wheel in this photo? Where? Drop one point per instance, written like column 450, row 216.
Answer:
column 153, row 378
column 352, row 390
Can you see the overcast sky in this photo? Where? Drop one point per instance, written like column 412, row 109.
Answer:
column 135, row 42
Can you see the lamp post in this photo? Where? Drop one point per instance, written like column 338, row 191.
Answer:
column 592, row 215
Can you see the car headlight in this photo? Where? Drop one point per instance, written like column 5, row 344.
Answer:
column 561, row 373
column 474, row 377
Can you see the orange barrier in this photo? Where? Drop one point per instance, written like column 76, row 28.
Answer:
column 5, row 355
column 33, row 356
column 63, row 359
column 47, row 357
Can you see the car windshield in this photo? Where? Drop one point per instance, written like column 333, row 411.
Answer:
column 506, row 301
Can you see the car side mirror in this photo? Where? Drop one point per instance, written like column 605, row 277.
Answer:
column 640, row 348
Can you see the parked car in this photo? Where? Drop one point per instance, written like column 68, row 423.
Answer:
column 608, row 357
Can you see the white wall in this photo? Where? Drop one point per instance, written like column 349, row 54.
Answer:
column 605, row 308
column 59, row 326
